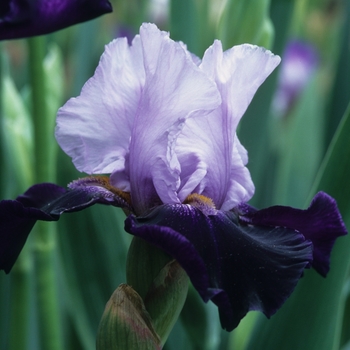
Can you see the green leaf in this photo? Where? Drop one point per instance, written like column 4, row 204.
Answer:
column 54, row 77
column 312, row 318
column 184, row 23
column 93, row 248
column 345, row 339
column 298, row 142
column 246, row 21
column 201, row 322
column 17, row 138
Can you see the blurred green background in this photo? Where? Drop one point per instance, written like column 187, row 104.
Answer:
column 292, row 154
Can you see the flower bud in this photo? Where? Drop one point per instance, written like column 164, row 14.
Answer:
column 126, row 324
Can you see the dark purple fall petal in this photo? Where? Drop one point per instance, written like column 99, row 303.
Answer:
column 44, row 202
column 239, row 267
column 26, row 18
column 321, row 223
column 16, row 223
column 18, row 217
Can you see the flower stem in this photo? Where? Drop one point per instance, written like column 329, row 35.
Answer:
column 20, row 305
column 43, row 132
column 19, row 280
column 44, row 244
column 46, row 287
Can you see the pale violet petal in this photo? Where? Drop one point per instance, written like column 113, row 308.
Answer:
column 241, row 187
column 175, row 90
column 241, row 151
column 95, row 128
column 202, row 150
column 238, row 73
column 217, row 167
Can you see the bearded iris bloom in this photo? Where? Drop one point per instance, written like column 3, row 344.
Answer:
column 26, row 18
column 163, row 124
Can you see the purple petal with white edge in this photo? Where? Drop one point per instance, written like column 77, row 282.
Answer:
column 212, row 159
column 175, row 90
column 45, row 202
column 95, row 128
column 321, row 223
column 239, row 267
column 26, row 18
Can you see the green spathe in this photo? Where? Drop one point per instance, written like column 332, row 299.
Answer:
column 160, row 281
column 126, row 324
column 166, row 297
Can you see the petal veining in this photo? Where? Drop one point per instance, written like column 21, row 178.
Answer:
column 175, row 90
column 95, row 128
column 211, row 140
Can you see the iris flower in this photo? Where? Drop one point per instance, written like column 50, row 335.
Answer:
column 26, row 18
column 300, row 61
column 163, row 124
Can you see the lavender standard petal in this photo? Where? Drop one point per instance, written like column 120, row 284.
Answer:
column 95, row 128
column 210, row 140
column 163, row 124
column 26, row 18
column 175, row 90
column 239, row 267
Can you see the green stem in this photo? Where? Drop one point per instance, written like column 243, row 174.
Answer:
column 44, row 235
column 20, row 305
column 46, row 287
column 43, row 133
column 19, row 280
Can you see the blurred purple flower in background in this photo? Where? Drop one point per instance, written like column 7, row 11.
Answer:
column 299, row 62
column 26, row 18
column 125, row 31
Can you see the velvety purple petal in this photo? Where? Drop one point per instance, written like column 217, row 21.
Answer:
column 212, row 159
column 45, row 202
column 15, row 225
column 95, row 128
column 25, row 18
column 321, row 223
column 239, row 267
column 18, row 217
column 175, row 90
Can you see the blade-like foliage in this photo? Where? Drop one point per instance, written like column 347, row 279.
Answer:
column 312, row 318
